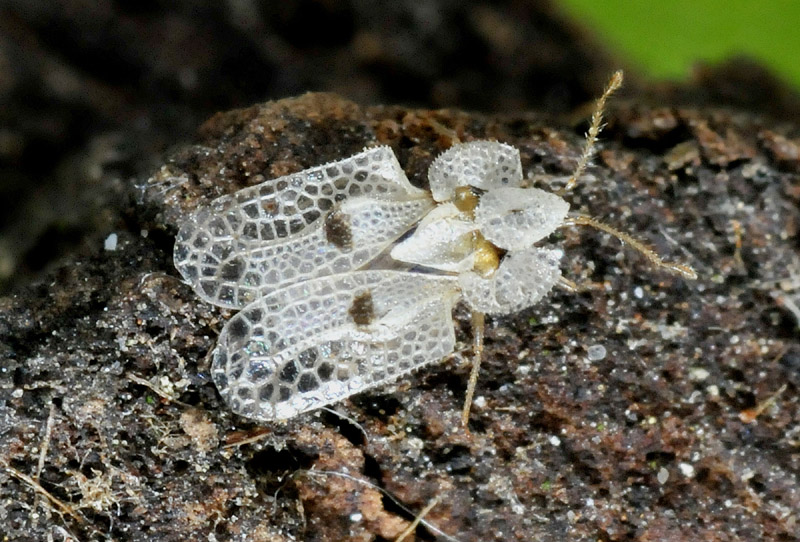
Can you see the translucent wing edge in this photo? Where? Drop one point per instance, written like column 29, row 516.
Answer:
column 251, row 366
column 349, row 238
column 212, row 244
column 482, row 164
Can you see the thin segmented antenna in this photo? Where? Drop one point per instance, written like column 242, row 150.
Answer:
column 675, row 268
column 594, row 130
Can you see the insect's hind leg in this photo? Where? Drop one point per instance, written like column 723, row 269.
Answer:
column 478, row 326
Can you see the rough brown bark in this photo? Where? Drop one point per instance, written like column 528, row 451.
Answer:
column 664, row 438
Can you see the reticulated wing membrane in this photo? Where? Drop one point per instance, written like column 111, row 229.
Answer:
column 323, row 220
column 316, row 342
column 521, row 281
column 516, row 218
column 482, row 164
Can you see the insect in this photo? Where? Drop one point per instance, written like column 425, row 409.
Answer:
column 333, row 304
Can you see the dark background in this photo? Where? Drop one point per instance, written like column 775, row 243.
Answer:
column 97, row 88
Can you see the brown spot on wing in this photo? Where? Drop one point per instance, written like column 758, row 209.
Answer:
column 337, row 230
column 362, row 311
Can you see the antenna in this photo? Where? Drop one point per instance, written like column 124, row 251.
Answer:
column 594, row 129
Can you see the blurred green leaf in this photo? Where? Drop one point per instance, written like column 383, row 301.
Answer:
column 665, row 38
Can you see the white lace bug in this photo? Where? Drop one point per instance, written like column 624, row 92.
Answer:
column 324, row 314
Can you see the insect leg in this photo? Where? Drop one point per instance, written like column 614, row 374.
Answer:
column 568, row 285
column 478, row 321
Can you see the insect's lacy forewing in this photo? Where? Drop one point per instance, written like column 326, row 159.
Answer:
column 481, row 164
column 324, row 220
column 314, row 343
